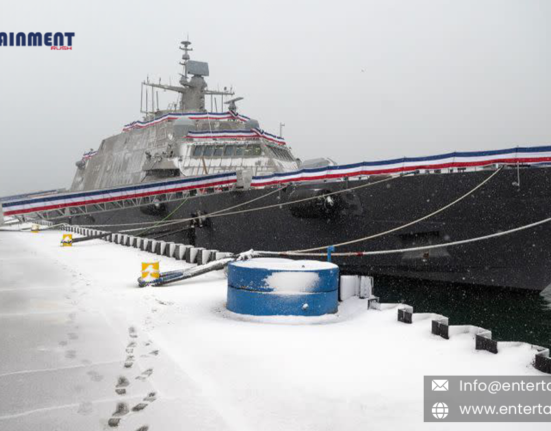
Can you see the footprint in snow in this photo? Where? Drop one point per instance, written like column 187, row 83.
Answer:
column 122, row 384
column 152, row 396
column 139, row 407
column 121, row 410
column 145, row 374
column 129, row 361
column 71, row 354
column 113, row 422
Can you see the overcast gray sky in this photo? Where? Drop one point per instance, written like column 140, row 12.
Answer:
column 352, row 80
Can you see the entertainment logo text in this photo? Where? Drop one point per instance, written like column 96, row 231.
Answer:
column 56, row 41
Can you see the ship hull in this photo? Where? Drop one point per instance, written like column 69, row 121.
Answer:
column 514, row 197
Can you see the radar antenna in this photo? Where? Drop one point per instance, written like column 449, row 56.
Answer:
column 232, row 103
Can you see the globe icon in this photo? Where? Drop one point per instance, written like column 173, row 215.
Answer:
column 440, row 410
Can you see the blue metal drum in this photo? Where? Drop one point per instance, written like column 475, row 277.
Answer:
column 282, row 287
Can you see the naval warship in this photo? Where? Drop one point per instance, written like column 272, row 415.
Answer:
column 216, row 179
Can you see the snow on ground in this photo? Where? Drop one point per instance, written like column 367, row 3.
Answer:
column 72, row 317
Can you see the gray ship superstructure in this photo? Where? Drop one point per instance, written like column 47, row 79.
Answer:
column 184, row 140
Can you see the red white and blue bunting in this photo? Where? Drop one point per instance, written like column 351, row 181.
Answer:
column 212, row 116
column 66, row 200
column 231, row 134
column 196, row 116
column 519, row 155
column 512, row 156
column 88, row 155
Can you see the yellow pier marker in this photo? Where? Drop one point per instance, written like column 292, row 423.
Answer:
column 67, row 240
column 150, row 270
column 35, row 228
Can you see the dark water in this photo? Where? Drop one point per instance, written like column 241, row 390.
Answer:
column 510, row 315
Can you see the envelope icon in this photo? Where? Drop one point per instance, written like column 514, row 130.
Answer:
column 440, row 385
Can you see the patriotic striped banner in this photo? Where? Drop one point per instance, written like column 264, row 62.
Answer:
column 228, row 134
column 88, row 155
column 67, row 200
column 268, row 136
column 230, row 115
column 521, row 155
column 223, row 134
column 528, row 155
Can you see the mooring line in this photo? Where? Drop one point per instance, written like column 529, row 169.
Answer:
column 377, row 235
column 223, row 213
column 404, row 250
column 169, row 222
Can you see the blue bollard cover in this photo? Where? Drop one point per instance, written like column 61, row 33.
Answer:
column 267, row 275
column 268, row 287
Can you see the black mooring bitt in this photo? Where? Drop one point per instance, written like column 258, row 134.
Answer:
column 484, row 342
column 542, row 362
column 441, row 328
column 405, row 315
column 435, row 328
column 372, row 302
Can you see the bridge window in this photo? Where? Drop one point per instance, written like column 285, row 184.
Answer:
column 281, row 153
column 208, row 151
column 198, row 151
column 218, row 151
column 228, row 151
column 239, row 151
column 253, row 150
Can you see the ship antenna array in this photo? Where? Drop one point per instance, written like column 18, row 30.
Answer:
column 199, row 69
column 154, row 96
column 185, row 57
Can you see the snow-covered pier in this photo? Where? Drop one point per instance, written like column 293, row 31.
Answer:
column 83, row 349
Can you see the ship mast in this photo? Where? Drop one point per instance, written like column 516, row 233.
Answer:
column 192, row 89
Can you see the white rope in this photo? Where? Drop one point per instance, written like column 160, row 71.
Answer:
column 179, row 221
column 173, row 221
column 425, row 217
column 427, row 247
column 223, row 212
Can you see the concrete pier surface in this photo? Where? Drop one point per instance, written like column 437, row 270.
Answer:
column 82, row 348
